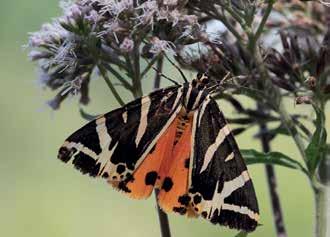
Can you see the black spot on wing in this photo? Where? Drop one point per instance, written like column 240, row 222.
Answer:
column 204, row 214
column 105, row 175
column 180, row 210
column 186, row 163
column 121, row 169
column 151, row 178
column 167, row 184
column 152, row 149
column 184, row 199
column 197, row 199
column 123, row 187
column 65, row 154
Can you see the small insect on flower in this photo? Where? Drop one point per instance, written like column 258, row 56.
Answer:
column 176, row 140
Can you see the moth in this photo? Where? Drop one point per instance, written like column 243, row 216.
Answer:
column 176, row 140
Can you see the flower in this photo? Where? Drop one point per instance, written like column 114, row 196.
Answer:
column 158, row 46
column 127, row 45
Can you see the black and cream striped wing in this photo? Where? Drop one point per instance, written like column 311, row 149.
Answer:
column 114, row 144
column 220, row 183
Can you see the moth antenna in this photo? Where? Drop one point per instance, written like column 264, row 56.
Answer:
column 215, row 87
column 225, row 78
column 176, row 66
column 166, row 77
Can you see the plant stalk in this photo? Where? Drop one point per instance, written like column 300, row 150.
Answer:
column 110, row 85
column 322, row 197
column 322, row 209
column 163, row 219
column 272, row 184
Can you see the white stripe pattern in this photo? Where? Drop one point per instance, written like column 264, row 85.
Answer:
column 108, row 166
column 193, row 137
column 230, row 157
column 80, row 148
column 197, row 100
column 105, row 140
column 228, row 188
column 125, row 116
column 186, row 99
column 241, row 209
column 177, row 99
column 145, row 106
column 212, row 148
column 202, row 110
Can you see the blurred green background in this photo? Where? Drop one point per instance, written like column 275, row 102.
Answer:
column 41, row 196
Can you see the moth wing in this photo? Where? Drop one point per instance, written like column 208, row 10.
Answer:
column 115, row 144
column 221, row 188
column 174, row 174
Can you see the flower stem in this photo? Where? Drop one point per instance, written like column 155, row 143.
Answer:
column 322, row 211
column 322, row 197
column 272, row 183
column 163, row 219
column 262, row 24
column 110, row 85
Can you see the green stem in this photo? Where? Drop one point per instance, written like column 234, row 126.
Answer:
column 322, row 211
column 230, row 27
column 261, row 26
column 237, row 16
column 149, row 66
column 321, row 187
column 110, row 85
column 286, row 119
column 119, row 77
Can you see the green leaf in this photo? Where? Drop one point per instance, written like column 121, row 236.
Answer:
column 317, row 146
column 87, row 116
column 242, row 234
column 273, row 158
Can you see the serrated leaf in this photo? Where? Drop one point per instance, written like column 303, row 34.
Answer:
column 316, row 148
column 273, row 158
column 242, row 234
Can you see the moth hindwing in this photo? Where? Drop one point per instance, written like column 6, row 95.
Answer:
column 176, row 140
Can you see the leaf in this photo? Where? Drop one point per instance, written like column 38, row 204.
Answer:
column 242, row 234
column 273, row 158
column 240, row 120
column 86, row 116
column 237, row 131
column 316, row 148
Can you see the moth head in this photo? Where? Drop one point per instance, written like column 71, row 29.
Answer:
column 203, row 78
column 201, row 81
